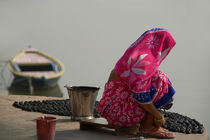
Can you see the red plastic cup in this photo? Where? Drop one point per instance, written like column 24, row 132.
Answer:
column 45, row 127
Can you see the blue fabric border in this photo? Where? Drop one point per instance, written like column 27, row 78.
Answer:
column 142, row 97
column 166, row 98
column 145, row 97
column 151, row 30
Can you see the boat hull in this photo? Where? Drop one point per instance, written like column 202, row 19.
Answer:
column 35, row 83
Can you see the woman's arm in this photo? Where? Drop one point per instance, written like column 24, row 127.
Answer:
column 157, row 116
column 152, row 110
column 113, row 76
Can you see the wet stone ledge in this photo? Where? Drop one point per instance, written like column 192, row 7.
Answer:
column 174, row 122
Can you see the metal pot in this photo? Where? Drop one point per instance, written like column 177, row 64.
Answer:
column 82, row 101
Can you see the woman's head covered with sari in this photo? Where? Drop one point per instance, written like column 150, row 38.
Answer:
column 142, row 59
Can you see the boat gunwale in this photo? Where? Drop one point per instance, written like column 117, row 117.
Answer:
column 56, row 75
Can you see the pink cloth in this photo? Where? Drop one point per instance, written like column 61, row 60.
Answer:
column 142, row 59
column 119, row 107
column 140, row 80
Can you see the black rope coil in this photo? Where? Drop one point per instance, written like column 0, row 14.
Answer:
column 174, row 122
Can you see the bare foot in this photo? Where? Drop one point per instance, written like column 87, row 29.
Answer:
column 156, row 132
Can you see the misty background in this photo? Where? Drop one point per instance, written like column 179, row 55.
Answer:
column 89, row 36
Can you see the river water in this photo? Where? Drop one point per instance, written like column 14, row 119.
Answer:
column 88, row 37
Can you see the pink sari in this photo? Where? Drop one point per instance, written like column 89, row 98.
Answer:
column 140, row 80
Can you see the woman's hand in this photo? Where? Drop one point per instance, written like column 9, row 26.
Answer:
column 158, row 117
column 159, row 122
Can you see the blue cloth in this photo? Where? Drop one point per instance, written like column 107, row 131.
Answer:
column 145, row 97
column 166, row 98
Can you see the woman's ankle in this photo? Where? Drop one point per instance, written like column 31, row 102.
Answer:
column 147, row 127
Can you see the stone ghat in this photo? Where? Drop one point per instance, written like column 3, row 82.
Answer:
column 174, row 122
